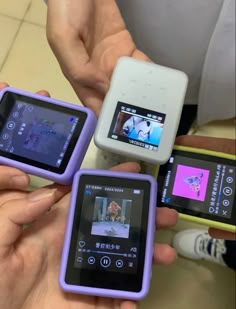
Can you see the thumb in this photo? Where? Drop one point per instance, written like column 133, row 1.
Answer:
column 15, row 213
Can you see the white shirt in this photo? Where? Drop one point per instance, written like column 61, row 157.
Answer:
column 195, row 36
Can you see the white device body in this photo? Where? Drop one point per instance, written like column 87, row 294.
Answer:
column 147, row 86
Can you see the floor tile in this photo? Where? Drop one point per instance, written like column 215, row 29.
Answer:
column 224, row 129
column 37, row 12
column 8, row 30
column 32, row 66
column 187, row 284
column 14, row 8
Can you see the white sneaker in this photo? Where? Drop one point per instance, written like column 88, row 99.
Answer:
column 197, row 244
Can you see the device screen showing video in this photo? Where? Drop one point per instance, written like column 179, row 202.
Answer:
column 109, row 231
column 137, row 126
column 38, row 133
column 199, row 185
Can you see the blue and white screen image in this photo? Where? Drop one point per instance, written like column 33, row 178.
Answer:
column 37, row 133
column 111, row 217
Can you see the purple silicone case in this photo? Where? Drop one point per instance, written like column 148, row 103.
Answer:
column 147, row 274
column 79, row 150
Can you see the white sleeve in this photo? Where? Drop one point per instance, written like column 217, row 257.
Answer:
column 217, row 91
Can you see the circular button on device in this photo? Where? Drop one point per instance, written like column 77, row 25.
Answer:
column 30, row 108
column 11, row 125
column 5, row 136
column 105, row 261
column 227, row 191
column 225, row 203
column 119, row 263
column 91, row 260
column 15, row 115
column 229, row 179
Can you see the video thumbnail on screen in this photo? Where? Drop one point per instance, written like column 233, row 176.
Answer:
column 111, row 217
column 137, row 126
column 191, row 182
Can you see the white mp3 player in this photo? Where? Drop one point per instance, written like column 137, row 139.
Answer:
column 141, row 111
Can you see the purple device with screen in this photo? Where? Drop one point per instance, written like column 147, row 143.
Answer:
column 43, row 136
column 108, row 246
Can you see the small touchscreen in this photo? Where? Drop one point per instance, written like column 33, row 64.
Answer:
column 109, row 232
column 199, row 184
column 137, row 126
column 36, row 132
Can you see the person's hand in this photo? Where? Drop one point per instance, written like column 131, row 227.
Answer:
column 32, row 227
column 214, row 144
column 30, row 256
column 87, row 38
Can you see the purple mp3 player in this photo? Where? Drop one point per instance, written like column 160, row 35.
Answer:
column 43, row 136
column 108, row 247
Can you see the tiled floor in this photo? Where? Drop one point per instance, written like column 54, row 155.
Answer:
column 26, row 62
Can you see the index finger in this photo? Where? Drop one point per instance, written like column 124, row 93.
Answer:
column 166, row 217
column 3, row 85
column 12, row 178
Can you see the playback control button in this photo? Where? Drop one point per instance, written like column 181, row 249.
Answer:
column 227, row 191
column 119, row 263
column 105, row 261
column 91, row 260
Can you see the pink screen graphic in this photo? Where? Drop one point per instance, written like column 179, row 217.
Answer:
column 191, row 182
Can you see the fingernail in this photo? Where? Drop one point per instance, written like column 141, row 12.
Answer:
column 41, row 195
column 102, row 87
column 138, row 168
column 2, row 84
column 21, row 181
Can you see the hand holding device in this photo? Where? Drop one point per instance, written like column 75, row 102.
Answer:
column 141, row 111
column 200, row 184
column 108, row 247
column 44, row 237
column 43, row 136
column 88, row 64
column 39, row 245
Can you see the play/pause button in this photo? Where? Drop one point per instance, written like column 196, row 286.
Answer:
column 11, row 125
column 105, row 261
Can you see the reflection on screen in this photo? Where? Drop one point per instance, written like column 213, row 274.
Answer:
column 137, row 126
column 35, row 132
